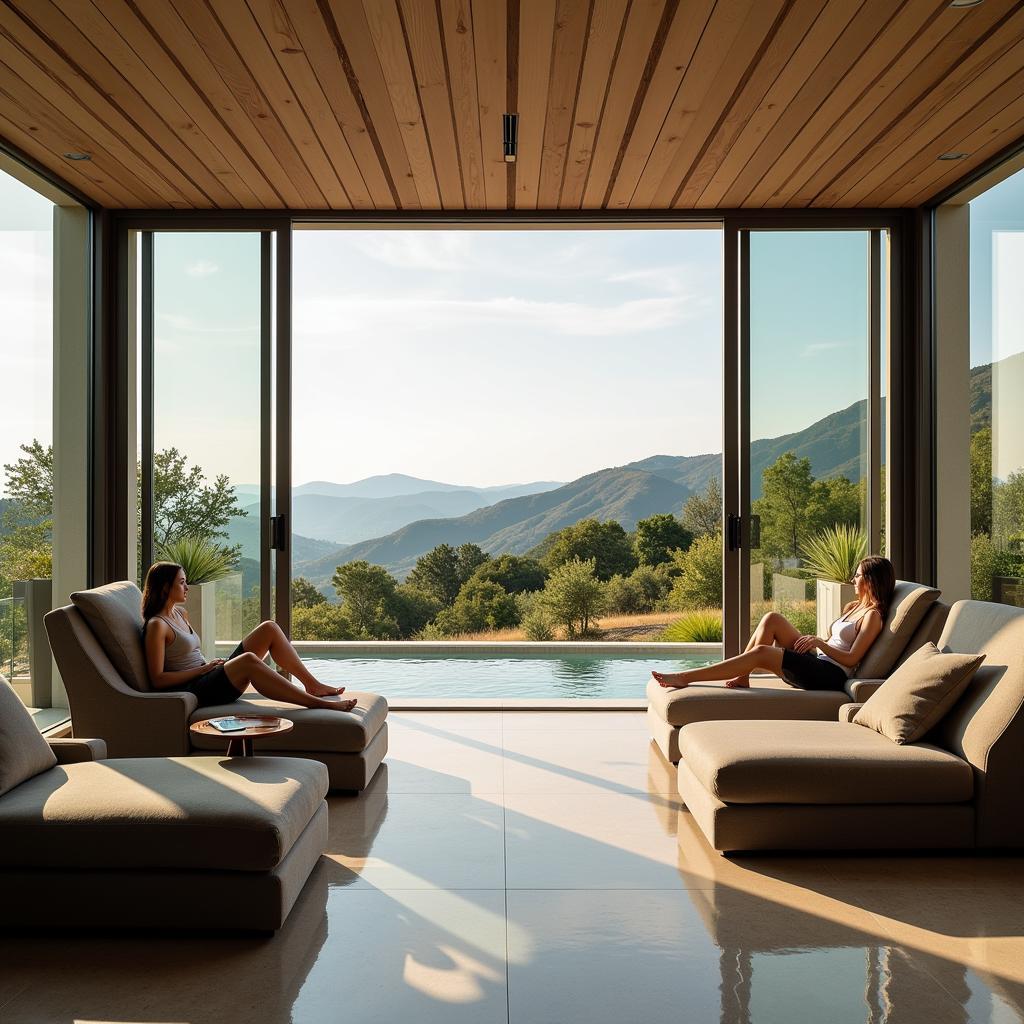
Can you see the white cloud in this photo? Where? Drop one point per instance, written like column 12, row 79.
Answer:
column 419, row 250
column 672, row 278
column 202, row 268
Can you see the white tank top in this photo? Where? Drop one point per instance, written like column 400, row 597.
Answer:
column 844, row 633
column 183, row 652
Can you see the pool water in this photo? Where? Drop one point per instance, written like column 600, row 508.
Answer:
column 458, row 676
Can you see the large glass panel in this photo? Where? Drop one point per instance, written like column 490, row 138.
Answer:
column 997, row 393
column 26, row 437
column 809, row 421
column 207, row 423
column 488, row 422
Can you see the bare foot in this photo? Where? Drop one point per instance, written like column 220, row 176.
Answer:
column 337, row 705
column 738, row 683
column 323, row 690
column 671, row 680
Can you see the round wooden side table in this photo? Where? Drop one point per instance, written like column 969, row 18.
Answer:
column 240, row 740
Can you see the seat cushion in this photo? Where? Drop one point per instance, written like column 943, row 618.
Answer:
column 210, row 813
column 23, row 751
column 767, row 698
column 345, row 732
column 819, row 763
column 114, row 614
column 910, row 603
column 918, row 694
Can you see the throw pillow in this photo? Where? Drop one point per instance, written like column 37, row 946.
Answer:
column 23, row 751
column 114, row 614
column 916, row 696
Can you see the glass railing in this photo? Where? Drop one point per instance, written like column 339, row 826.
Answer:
column 24, row 649
column 14, row 645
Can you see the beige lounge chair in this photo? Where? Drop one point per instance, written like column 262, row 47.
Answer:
column 152, row 842
column 915, row 617
column 836, row 785
column 97, row 643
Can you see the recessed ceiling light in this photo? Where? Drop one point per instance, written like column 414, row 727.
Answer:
column 77, row 156
column 953, row 156
column 966, row 3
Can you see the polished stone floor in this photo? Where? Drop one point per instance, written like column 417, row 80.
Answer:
column 535, row 867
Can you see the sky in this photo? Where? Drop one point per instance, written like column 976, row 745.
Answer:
column 482, row 357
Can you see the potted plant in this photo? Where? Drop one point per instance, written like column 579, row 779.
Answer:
column 832, row 556
column 204, row 563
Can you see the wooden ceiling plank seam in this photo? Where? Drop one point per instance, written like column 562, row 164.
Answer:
column 679, row 50
column 998, row 139
column 122, row 55
column 912, row 73
column 84, row 131
column 248, row 183
column 460, row 59
column 949, row 127
column 572, row 21
column 785, row 43
column 326, row 52
column 809, row 53
column 56, row 24
column 511, row 90
column 213, row 86
column 755, row 184
column 392, row 49
column 277, row 26
column 490, row 21
column 975, row 65
column 107, row 194
column 646, row 22
column 449, row 89
column 367, row 82
column 52, row 127
column 421, row 27
column 604, row 40
column 828, row 132
column 736, row 26
column 40, row 46
column 232, row 69
column 535, row 47
column 698, row 139
column 243, row 30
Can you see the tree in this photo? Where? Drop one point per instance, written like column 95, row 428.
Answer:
column 516, row 574
column 833, row 502
column 481, row 605
column 624, row 595
column 699, row 583
column 606, row 544
column 323, row 621
column 184, row 505
column 368, row 597
column 442, row 571
column 785, row 495
column 26, row 529
column 574, row 595
column 305, row 595
column 1008, row 510
column 981, row 481
column 413, row 609
column 658, row 535
column 702, row 513
column 29, row 483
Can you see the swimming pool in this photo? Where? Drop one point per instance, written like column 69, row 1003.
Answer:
column 461, row 674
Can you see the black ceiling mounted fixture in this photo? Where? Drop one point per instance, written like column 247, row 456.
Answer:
column 510, row 132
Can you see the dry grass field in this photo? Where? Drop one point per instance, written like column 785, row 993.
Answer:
column 613, row 627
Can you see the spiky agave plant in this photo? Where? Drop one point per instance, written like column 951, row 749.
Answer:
column 833, row 554
column 203, row 561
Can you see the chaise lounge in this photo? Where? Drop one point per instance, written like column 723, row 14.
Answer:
column 915, row 617
column 208, row 843
column 97, row 643
column 754, row 785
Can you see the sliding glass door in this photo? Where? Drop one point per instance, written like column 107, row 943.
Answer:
column 208, row 423
column 804, row 496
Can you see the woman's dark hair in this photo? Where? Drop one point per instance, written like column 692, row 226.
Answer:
column 880, row 579
column 159, row 580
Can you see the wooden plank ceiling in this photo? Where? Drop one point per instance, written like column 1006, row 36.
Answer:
column 623, row 104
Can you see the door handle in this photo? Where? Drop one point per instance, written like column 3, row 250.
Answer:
column 279, row 533
column 734, row 532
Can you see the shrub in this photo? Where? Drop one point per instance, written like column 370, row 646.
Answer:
column 699, row 583
column 481, row 605
column 697, row 626
column 534, row 618
column 833, row 553
column 202, row 561
column 321, row 622
column 574, row 596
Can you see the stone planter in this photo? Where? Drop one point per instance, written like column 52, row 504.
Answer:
column 201, row 606
column 831, row 597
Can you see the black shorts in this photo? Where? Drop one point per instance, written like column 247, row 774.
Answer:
column 809, row 672
column 214, row 687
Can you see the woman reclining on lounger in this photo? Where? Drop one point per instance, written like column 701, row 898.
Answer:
column 175, row 661
column 807, row 661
